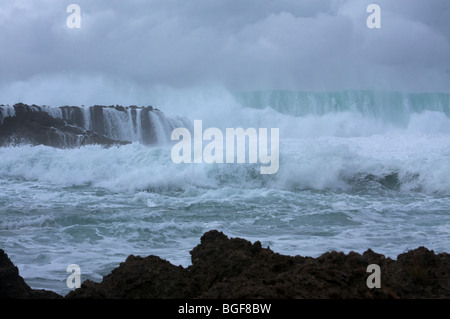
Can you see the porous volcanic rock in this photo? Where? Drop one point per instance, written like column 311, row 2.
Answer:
column 12, row 286
column 234, row 268
column 30, row 125
column 224, row 268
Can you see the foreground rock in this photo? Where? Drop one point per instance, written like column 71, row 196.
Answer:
column 31, row 125
column 12, row 286
column 236, row 269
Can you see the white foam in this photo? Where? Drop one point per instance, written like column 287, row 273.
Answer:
column 421, row 162
column 6, row 111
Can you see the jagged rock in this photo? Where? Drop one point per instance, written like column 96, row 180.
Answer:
column 148, row 130
column 32, row 126
column 12, row 286
column 85, row 125
column 97, row 121
column 140, row 278
column 233, row 268
column 73, row 115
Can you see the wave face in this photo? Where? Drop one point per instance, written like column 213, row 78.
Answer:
column 373, row 112
column 389, row 106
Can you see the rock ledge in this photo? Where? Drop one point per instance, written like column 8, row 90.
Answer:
column 234, row 268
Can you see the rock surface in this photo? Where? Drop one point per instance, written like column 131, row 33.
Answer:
column 234, row 268
column 12, row 286
column 73, row 126
column 30, row 125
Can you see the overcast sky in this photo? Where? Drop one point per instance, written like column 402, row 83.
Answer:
column 137, row 45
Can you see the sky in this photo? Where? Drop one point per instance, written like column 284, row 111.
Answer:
column 125, row 48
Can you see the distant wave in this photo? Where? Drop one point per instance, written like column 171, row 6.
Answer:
column 355, row 113
column 390, row 106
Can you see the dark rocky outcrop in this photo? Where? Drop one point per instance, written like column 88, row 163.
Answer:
column 73, row 115
column 97, row 119
column 12, row 286
column 73, row 126
column 31, row 125
column 148, row 130
column 235, row 268
column 224, row 268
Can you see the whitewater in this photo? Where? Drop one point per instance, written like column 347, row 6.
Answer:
column 358, row 170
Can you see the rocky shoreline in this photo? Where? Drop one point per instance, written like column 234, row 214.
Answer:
column 74, row 126
column 234, row 268
column 31, row 125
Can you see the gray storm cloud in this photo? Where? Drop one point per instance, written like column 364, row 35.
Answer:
column 132, row 46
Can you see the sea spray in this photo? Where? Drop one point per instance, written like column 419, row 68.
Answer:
column 229, row 148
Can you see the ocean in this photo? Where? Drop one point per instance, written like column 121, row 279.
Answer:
column 357, row 170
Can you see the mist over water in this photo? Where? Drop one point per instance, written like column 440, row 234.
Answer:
column 358, row 170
